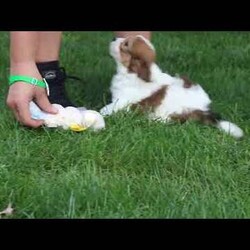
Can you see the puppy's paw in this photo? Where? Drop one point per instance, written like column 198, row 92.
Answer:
column 107, row 110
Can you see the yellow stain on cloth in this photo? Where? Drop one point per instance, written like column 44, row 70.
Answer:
column 77, row 128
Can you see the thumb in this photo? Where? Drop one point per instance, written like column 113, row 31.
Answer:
column 45, row 105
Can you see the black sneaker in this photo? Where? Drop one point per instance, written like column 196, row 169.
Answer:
column 56, row 81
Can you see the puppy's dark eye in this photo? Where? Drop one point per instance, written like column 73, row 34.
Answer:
column 126, row 44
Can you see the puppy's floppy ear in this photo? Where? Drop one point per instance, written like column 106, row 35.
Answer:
column 142, row 50
column 142, row 56
column 141, row 67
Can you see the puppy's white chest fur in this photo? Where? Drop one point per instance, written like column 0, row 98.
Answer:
column 130, row 88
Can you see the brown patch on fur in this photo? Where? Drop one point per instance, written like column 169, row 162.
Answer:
column 139, row 49
column 137, row 56
column 187, row 82
column 141, row 68
column 151, row 102
column 204, row 117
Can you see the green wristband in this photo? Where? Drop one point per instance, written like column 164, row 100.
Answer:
column 30, row 80
column 27, row 79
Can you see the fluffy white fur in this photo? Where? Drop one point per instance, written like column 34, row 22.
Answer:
column 127, row 89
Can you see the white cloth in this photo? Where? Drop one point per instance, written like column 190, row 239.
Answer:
column 68, row 117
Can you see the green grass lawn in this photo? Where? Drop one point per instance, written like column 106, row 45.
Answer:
column 135, row 168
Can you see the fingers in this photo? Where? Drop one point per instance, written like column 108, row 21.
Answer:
column 24, row 116
column 43, row 102
column 18, row 101
column 23, row 113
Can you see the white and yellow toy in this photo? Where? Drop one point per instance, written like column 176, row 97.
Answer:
column 75, row 119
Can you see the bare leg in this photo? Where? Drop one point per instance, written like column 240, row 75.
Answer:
column 146, row 34
column 49, row 46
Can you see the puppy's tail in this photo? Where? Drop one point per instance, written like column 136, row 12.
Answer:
column 230, row 128
column 213, row 119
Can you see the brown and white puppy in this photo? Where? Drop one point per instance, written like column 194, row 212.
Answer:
column 140, row 83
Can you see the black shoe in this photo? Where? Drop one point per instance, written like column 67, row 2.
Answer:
column 56, row 81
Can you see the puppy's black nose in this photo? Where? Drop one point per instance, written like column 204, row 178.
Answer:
column 113, row 39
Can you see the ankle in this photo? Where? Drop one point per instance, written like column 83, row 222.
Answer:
column 55, row 77
column 49, row 70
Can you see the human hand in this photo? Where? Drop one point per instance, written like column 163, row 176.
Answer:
column 19, row 97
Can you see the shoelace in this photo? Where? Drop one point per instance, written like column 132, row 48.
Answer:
column 66, row 76
column 58, row 90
